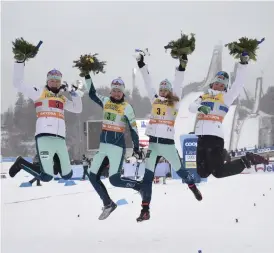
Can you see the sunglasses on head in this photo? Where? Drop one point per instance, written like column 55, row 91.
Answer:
column 118, row 82
column 164, row 83
column 55, row 72
column 222, row 75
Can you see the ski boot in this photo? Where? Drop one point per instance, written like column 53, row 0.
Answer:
column 253, row 159
column 145, row 214
column 107, row 210
column 195, row 191
column 16, row 167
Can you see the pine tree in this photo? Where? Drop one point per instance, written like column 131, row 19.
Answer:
column 18, row 110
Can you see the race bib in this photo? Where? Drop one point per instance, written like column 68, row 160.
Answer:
column 110, row 116
column 159, row 110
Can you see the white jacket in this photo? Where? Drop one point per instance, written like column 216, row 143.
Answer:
column 49, row 106
column 162, row 117
column 219, row 102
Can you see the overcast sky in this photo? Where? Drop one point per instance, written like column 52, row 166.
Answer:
column 114, row 30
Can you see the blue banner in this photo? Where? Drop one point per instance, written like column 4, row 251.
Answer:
column 255, row 150
column 189, row 148
column 12, row 159
column 264, row 167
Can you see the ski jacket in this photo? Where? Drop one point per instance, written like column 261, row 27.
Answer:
column 219, row 103
column 49, row 106
column 162, row 116
column 116, row 117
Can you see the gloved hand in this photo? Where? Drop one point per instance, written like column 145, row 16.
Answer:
column 73, row 89
column 204, row 109
column 84, row 73
column 140, row 60
column 244, row 58
column 78, row 85
column 138, row 154
column 183, row 62
column 64, row 86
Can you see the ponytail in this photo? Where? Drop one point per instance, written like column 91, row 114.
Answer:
column 171, row 99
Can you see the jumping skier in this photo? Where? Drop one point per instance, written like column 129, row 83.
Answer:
column 160, row 130
column 211, row 109
column 50, row 134
column 117, row 115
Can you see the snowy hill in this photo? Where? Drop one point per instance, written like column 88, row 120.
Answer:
column 54, row 218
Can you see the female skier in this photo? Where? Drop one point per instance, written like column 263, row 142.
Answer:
column 117, row 114
column 50, row 134
column 160, row 130
column 211, row 109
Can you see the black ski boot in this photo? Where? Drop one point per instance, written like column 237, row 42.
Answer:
column 195, row 191
column 38, row 183
column 253, row 159
column 145, row 214
column 107, row 210
column 19, row 164
column 16, row 167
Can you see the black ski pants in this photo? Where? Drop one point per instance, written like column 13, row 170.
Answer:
column 211, row 156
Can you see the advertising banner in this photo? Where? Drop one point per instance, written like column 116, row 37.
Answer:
column 141, row 126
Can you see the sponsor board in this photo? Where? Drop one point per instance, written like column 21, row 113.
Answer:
column 190, row 165
column 191, row 144
column 142, row 123
column 255, row 150
column 189, row 152
column 141, row 126
column 260, row 168
column 264, row 168
column 190, row 158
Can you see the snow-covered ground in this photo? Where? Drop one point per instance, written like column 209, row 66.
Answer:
column 64, row 219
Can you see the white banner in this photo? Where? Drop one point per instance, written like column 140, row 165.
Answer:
column 260, row 168
column 141, row 125
column 190, row 158
column 130, row 169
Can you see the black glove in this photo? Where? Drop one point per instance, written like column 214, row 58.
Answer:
column 138, row 154
column 64, row 86
column 140, row 61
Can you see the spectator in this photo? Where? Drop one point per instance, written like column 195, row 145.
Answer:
column 85, row 162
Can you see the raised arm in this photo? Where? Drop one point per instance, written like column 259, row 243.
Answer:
column 152, row 94
column 131, row 120
column 97, row 98
column 179, row 77
column 237, row 86
column 18, row 82
column 178, row 83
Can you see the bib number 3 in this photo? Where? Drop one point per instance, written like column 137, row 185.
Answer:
column 159, row 111
column 109, row 116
